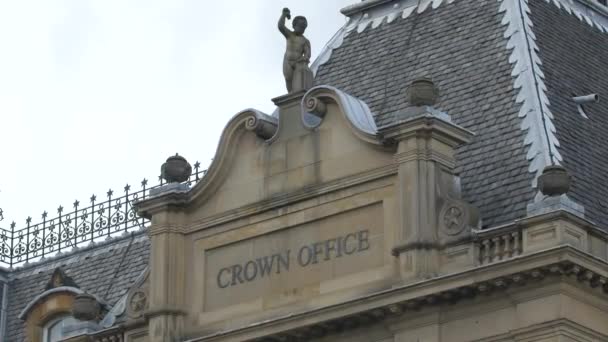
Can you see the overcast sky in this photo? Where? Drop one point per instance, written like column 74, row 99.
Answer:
column 95, row 94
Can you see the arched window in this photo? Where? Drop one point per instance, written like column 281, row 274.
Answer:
column 53, row 330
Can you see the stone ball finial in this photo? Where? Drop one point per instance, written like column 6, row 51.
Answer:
column 422, row 92
column 86, row 307
column 176, row 169
column 555, row 181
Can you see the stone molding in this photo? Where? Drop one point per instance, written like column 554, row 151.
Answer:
column 266, row 127
column 417, row 245
column 355, row 111
column 554, row 329
column 426, row 155
column 156, row 229
column 249, row 120
column 268, row 205
column 562, row 262
column 169, row 200
column 296, row 197
column 427, row 125
column 165, row 311
column 45, row 307
column 43, row 296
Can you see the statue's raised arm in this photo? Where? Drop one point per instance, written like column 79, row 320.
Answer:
column 285, row 15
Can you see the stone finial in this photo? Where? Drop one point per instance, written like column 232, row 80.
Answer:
column 298, row 75
column 555, row 181
column 86, row 307
column 422, row 92
column 176, row 169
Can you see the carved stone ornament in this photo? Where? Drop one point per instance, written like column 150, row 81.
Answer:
column 263, row 125
column 86, row 307
column 315, row 106
column 453, row 219
column 176, row 169
column 554, row 181
column 137, row 303
column 422, row 92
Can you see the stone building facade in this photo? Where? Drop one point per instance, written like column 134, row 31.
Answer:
column 369, row 209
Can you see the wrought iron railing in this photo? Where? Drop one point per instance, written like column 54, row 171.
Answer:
column 78, row 226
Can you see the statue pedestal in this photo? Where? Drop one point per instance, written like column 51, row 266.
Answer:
column 290, row 115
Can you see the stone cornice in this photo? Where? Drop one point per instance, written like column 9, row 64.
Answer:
column 558, row 327
column 427, row 126
column 165, row 311
column 163, row 202
column 405, row 247
column 426, row 155
column 563, row 261
column 156, row 229
column 295, row 197
column 179, row 200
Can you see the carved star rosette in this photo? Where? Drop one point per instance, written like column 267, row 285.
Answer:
column 453, row 219
column 137, row 303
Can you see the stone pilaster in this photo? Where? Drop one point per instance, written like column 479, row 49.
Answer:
column 166, row 301
column 167, row 283
column 432, row 216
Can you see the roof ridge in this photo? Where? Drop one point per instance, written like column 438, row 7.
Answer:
column 361, row 6
column 537, row 118
column 586, row 11
column 373, row 12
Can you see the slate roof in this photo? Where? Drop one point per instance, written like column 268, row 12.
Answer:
column 1, row 297
column 462, row 47
column 575, row 62
column 107, row 271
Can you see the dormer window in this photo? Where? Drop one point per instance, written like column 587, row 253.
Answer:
column 53, row 330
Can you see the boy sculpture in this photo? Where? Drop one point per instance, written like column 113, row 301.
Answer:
column 298, row 75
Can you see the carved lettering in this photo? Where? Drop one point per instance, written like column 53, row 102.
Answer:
column 236, row 274
column 283, row 261
column 363, row 237
column 308, row 257
column 251, row 270
column 308, row 254
column 221, row 284
column 349, row 251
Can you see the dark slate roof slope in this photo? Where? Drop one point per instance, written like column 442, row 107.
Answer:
column 1, row 298
column 575, row 62
column 462, row 47
column 107, row 271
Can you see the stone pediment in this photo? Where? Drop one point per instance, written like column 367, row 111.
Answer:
column 306, row 209
column 319, row 137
